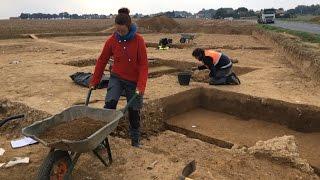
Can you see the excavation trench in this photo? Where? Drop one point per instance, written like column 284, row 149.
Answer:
column 159, row 67
column 227, row 118
column 218, row 117
column 223, row 118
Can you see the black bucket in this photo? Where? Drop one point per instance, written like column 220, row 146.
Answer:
column 184, row 78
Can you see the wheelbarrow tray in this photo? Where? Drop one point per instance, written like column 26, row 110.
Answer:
column 188, row 36
column 110, row 117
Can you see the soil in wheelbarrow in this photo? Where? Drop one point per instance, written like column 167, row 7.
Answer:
column 75, row 130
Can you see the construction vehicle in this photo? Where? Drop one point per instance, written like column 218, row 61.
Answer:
column 267, row 16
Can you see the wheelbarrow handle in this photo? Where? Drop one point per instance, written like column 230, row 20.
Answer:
column 124, row 110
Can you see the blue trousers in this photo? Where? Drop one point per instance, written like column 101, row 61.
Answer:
column 115, row 87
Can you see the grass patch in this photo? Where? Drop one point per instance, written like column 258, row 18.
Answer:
column 304, row 36
column 304, row 18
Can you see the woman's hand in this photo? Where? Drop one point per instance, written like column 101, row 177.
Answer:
column 139, row 93
column 93, row 87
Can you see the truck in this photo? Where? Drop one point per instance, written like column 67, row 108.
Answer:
column 267, row 16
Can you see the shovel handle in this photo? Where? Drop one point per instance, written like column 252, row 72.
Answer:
column 125, row 109
column 88, row 97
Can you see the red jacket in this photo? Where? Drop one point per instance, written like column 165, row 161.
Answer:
column 130, row 61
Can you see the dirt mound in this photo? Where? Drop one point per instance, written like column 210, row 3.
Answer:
column 282, row 149
column 216, row 26
column 13, row 128
column 158, row 24
column 74, row 130
column 201, row 76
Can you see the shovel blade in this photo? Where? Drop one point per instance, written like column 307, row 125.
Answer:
column 189, row 168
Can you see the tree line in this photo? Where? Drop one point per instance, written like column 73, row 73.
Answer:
column 63, row 15
column 210, row 13
column 302, row 9
column 244, row 12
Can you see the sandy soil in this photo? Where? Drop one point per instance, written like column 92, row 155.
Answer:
column 33, row 72
column 75, row 130
column 245, row 132
column 171, row 150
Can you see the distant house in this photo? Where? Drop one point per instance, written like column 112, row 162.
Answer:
column 280, row 12
column 257, row 12
column 229, row 18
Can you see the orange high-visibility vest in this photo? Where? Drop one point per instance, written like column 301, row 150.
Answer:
column 215, row 55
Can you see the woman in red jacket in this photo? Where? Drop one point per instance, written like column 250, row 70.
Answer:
column 129, row 71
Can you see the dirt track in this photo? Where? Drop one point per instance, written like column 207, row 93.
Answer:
column 34, row 72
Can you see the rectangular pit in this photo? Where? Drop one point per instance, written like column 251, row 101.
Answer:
column 226, row 118
column 81, row 62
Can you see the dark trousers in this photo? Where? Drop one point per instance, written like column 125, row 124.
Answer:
column 115, row 87
column 220, row 76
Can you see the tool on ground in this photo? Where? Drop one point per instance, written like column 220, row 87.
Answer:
column 2, row 122
column 64, row 154
column 17, row 160
column 188, row 170
column 2, row 151
column 151, row 166
column 24, row 141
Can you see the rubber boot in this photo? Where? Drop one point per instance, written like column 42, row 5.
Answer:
column 134, row 119
column 233, row 79
column 220, row 81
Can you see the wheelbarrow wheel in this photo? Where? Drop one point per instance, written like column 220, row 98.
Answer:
column 183, row 40
column 57, row 166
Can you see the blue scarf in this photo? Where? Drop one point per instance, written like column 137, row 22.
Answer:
column 132, row 32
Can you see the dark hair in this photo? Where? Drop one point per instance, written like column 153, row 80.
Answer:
column 123, row 17
column 124, row 11
column 198, row 53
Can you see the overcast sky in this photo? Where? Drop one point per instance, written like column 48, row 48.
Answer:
column 15, row 7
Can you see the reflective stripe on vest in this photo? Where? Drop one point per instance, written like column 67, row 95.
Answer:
column 214, row 55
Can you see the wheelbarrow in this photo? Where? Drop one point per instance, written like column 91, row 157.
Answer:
column 64, row 154
column 186, row 38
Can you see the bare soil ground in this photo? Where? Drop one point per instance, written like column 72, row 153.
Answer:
column 171, row 150
column 35, row 73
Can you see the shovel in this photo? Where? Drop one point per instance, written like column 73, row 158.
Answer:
column 188, row 170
